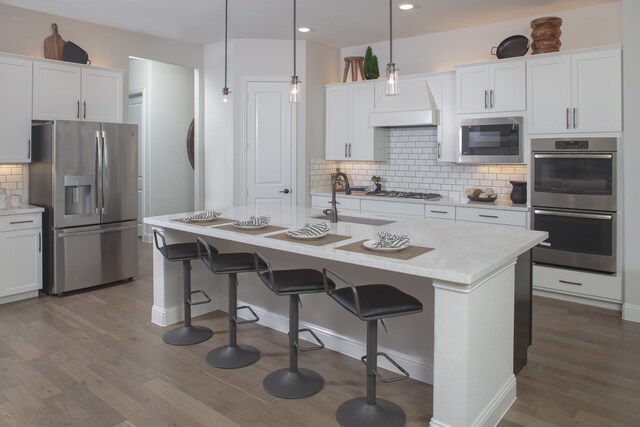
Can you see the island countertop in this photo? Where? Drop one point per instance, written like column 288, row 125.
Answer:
column 463, row 253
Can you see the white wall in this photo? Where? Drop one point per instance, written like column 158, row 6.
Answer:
column 631, row 200
column 593, row 26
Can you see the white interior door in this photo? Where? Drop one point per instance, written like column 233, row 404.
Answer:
column 270, row 136
column 136, row 116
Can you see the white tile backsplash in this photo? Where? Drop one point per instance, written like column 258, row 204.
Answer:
column 11, row 178
column 412, row 166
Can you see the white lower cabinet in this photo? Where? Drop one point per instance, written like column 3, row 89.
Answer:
column 344, row 203
column 392, row 208
column 602, row 287
column 492, row 216
column 20, row 255
column 440, row 212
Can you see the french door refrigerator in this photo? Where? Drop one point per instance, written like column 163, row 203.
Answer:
column 84, row 174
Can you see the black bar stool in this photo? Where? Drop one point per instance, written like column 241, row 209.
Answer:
column 185, row 252
column 294, row 382
column 372, row 303
column 233, row 355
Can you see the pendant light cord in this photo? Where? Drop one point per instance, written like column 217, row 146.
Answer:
column 390, row 31
column 226, row 19
column 294, row 37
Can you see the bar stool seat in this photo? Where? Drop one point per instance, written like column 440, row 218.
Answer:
column 184, row 252
column 232, row 355
column 294, row 382
column 372, row 303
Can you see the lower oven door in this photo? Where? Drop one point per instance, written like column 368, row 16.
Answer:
column 577, row 239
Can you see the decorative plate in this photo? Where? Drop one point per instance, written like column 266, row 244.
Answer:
column 202, row 217
column 249, row 226
column 306, row 236
column 371, row 245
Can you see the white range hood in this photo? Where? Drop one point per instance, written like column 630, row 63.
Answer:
column 414, row 106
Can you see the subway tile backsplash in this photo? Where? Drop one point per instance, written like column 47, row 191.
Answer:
column 11, row 178
column 412, row 166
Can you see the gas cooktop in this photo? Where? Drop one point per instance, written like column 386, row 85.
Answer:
column 405, row 195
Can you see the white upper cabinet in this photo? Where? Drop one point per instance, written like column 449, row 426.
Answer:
column 348, row 134
column 489, row 88
column 443, row 90
column 580, row 92
column 15, row 110
column 74, row 92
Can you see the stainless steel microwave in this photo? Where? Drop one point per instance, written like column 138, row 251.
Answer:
column 491, row 140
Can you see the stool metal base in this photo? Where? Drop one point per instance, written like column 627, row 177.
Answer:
column 228, row 357
column 188, row 335
column 358, row 413
column 293, row 385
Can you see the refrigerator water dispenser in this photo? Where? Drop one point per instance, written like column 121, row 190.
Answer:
column 77, row 194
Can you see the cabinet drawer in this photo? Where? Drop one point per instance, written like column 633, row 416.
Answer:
column 440, row 212
column 20, row 222
column 492, row 216
column 395, row 208
column 344, row 203
column 570, row 282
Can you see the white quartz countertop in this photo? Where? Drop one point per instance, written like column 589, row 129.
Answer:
column 24, row 209
column 463, row 252
column 445, row 201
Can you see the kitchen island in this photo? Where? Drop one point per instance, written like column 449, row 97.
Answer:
column 462, row 343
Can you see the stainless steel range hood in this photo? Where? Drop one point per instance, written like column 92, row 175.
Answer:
column 414, row 106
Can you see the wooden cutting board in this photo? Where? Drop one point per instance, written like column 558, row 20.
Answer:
column 54, row 44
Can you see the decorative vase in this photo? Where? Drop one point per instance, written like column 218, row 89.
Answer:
column 519, row 192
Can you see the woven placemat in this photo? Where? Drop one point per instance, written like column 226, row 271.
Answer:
column 254, row 231
column 405, row 254
column 324, row 240
column 215, row 221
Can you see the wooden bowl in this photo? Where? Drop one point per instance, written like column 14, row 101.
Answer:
column 545, row 45
column 545, row 32
column 547, row 21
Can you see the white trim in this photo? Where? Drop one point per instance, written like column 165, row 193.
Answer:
column 631, row 312
column 416, row 367
column 467, row 289
column 499, row 406
column 18, row 297
column 576, row 299
column 174, row 315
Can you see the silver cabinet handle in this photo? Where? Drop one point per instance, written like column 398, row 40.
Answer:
column 88, row 233
column 39, row 242
column 21, row 222
column 105, row 161
column 345, row 149
column 486, row 92
column 439, row 152
column 488, row 216
column 603, row 217
column 29, row 149
column 575, row 121
column 491, row 98
column 439, row 212
column 84, row 105
column 78, row 109
column 98, row 167
column 568, row 114
column 349, row 149
column 570, row 283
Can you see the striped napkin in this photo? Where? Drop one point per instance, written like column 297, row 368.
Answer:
column 202, row 216
column 254, row 221
column 388, row 240
column 310, row 230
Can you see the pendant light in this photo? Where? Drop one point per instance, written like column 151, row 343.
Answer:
column 391, row 86
column 294, row 93
column 225, row 89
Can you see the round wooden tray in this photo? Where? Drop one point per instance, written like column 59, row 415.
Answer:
column 487, row 200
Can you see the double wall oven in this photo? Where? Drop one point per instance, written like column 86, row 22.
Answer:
column 574, row 199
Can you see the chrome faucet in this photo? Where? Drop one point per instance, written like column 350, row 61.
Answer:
column 333, row 212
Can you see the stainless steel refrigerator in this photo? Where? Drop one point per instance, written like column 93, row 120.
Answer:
column 85, row 176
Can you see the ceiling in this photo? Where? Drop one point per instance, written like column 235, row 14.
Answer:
column 339, row 23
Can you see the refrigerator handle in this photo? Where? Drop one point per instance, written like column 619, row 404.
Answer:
column 98, row 169
column 105, row 161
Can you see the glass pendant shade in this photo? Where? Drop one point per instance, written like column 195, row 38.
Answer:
column 294, row 92
column 225, row 94
column 391, row 86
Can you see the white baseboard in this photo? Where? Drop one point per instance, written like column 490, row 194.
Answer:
column 631, row 312
column 173, row 315
column 18, row 297
column 576, row 299
column 418, row 369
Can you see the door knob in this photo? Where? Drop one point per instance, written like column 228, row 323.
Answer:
column 285, row 191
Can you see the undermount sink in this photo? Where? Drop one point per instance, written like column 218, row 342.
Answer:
column 358, row 220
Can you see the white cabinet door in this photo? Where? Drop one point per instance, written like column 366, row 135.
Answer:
column 449, row 125
column 56, row 91
column 597, row 91
column 20, row 261
column 102, row 95
column 549, row 94
column 473, row 89
column 507, row 88
column 361, row 142
column 338, row 123
column 15, row 110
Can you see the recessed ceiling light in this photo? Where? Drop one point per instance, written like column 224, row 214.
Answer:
column 405, row 6
column 304, row 29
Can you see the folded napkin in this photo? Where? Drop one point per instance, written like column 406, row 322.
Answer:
column 310, row 230
column 254, row 221
column 388, row 240
column 202, row 216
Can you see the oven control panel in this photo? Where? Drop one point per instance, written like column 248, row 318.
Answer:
column 572, row 145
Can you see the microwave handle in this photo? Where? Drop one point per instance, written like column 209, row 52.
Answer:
column 573, row 156
column 573, row 215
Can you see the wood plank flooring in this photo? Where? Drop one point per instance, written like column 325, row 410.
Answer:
column 94, row 358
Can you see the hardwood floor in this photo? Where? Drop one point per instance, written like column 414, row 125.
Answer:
column 94, row 358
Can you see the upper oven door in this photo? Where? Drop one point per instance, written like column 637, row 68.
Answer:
column 495, row 140
column 574, row 180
